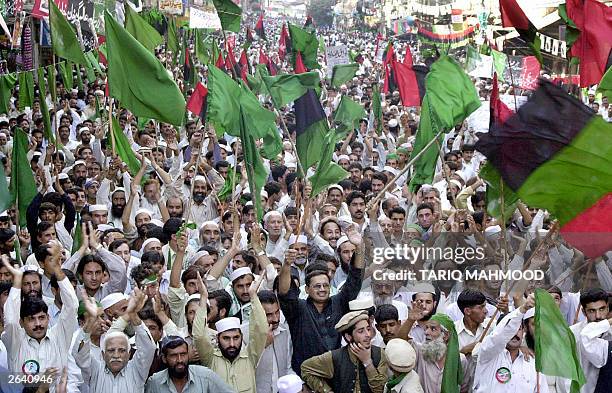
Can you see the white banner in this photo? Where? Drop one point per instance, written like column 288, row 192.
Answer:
column 201, row 19
column 174, row 7
column 484, row 68
column 336, row 55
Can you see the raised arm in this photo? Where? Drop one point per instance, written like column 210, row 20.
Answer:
column 200, row 336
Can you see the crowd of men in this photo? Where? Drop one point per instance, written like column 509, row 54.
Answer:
column 107, row 290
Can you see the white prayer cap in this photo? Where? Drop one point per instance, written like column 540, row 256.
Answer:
column 112, row 299
column 207, row 223
column 199, row 178
column 31, row 268
column 298, row 239
column 197, row 256
column 289, row 384
column 343, row 157
column 492, row 230
column 337, row 187
column 457, row 183
column 145, row 211
column 79, row 162
column 4, row 214
column 393, row 123
column 243, row 271
column 529, row 314
column 361, row 304
column 341, row 241
column 195, row 296
column 99, row 93
column 37, row 154
column 74, row 91
column 118, row 189
column 390, row 169
column 226, row 324
column 83, row 129
column 98, row 208
column 157, row 222
column 226, row 148
column 105, row 227
column 147, row 242
column 263, row 194
column 291, row 165
column 63, row 176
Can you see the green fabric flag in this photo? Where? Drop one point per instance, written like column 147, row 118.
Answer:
column 141, row 30
column 376, row 109
column 7, row 82
column 23, row 185
column 229, row 15
column 348, row 114
column 78, row 235
column 226, row 191
column 605, row 85
column 450, row 98
column 63, row 38
column 494, row 181
column 5, row 197
column 342, row 73
column 472, row 59
column 94, row 63
column 48, row 132
column 327, row 172
column 500, row 62
column 66, row 74
column 256, row 83
column 555, row 344
column 172, row 38
column 256, row 172
column 223, row 107
column 200, row 48
column 262, row 123
column 26, row 89
column 452, row 374
column 124, row 148
column 90, row 72
column 52, row 81
column 306, row 43
column 287, row 88
column 79, row 78
column 138, row 80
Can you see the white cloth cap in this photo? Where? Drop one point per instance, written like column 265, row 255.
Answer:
column 529, row 314
column 149, row 241
column 104, row 227
column 343, row 157
column 341, row 241
column 143, row 210
column 243, row 271
column 98, row 208
column 117, row 190
column 199, row 178
column 226, row 324
column 361, row 304
column 298, row 239
column 112, row 299
column 289, row 384
column 157, row 222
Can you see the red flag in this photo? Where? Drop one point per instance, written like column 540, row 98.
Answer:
column 299, row 64
column 512, row 15
column 243, row 74
column 309, row 21
column 408, row 56
column 197, row 101
column 410, row 83
column 101, row 40
column 249, row 35
column 259, row 28
column 243, row 59
column 220, row 62
column 284, row 43
column 263, row 59
column 530, row 72
column 272, row 68
column 593, row 46
column 378, row 38
column 388, row 60
column 499, row 111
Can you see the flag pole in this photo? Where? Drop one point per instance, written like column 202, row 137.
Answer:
column 526, row 265
column 403, row 171
column 197, row 167
column 110, row 125
column 297, row 157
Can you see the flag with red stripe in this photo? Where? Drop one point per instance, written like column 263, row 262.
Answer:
column 197, row 103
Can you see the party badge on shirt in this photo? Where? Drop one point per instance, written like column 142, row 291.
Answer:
column 503, row 375
column 30, row 367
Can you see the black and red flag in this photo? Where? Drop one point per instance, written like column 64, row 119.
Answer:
column 249, row 35
column 220, row 64
column 309, row 21
column 410, row 81
column 272, row 68
column 388, row 60
column 284, row 43
column 243, row 62
column 197, row 103
column 259, row 28
column 189, row 73
column 263, row 59
column 299, row 64
column 499, row 111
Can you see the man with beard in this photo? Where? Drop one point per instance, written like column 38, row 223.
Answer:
column 118, row 202
column 175, row 207
column 275, row 361
column 278, row 234
column 234, row 362
column 210, row 235
column 204, row 207
column 180, row 376
column 356, row 205
column 79, row 173
column 423, row 298
column 501, row 366
column 115, row 371
column 99, row 215
column 356, row 367
column 387, row 322
column 344, row 251
column 28, row 339
column 594, row 302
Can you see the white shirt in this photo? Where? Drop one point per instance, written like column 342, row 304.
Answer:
column 52, row 350
column 493, row 357
column 592, row 348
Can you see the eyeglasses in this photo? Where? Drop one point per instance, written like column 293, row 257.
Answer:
column 320, row 286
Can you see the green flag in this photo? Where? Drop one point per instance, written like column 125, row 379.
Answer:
column 5, row 197
column 66, row 74
column 256, row 172
column 452, row 376
column 256, row 83
column 7, row 82
column 63, row 38
column 78, row 235
column 376, row 109
column 124, row 148
column 500, row 61
column 605, row 85
column 327, row 172
column 306, row 43
column 48, row 132
column 348, row 115
column 229, row 15
column 141, row 30
column 223, row 107
column 226, row 191
column 23, row 185
column 26, row 89
column 200, row 48
column 79, row 78
column 450, row 98
column 93, row 62
column 138, row 80
column 52, row 81
column 288, row 87
column 472, row 59
column 494, row 181
column 342, row 73
column 172, row 38
column 555, row 344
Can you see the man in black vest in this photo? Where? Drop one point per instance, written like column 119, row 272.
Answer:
column 356, row 367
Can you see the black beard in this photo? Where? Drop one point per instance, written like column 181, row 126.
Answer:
column 141, row 231
column 117, row 211
column 79, row 181
column 176, row 215
column 199, row 197
column 176, row 374
column 227, row 355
